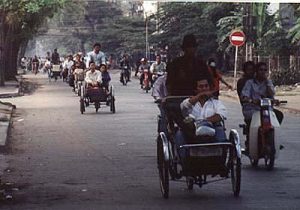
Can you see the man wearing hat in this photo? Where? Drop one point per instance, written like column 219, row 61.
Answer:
column 186, row 70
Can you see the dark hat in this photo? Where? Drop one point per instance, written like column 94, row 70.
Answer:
column 189, row 40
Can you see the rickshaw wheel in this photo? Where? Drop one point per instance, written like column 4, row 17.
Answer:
column 236, row 175
column 235, row 167
column 112, row 105
column 163, row 169
column 82, row 108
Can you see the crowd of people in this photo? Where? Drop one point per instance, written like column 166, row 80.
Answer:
column 187, row 75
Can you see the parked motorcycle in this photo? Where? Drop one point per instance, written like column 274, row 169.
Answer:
column 264, row 134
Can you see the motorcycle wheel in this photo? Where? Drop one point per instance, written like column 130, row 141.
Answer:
column 254, row 162
column 270, row 151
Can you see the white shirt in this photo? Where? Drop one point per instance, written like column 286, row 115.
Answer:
column 91, row 77
column 158, row 67
column 97, row 58
column 210, row 108
column 68, row 64
column 159, row 87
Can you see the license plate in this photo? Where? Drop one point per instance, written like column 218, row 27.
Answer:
column 205, row 152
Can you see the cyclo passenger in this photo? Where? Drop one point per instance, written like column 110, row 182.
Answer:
column 93, row 81
column 255, row 89
column 206, row 111
column 105, row 77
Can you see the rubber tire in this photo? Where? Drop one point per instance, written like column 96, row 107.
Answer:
column 112, row 105
column 163, row 170
column 236, row 174
column 82, row 108
column 270, row 160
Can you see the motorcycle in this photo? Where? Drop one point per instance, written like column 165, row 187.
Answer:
column 146, row 81
column 264, row 134
column 125, row 75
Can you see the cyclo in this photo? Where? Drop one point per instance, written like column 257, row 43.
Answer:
column 98, row 96
column 204, row 156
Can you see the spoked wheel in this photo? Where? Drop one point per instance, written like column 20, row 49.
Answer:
column 112, row 105
column 235, row 164
column 236, row 174
column 82, row 108
column 163, row 169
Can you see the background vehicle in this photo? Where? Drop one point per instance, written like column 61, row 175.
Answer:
column 264, row 134
column 97, row 96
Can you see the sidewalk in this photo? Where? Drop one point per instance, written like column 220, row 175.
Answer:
column 11, row 89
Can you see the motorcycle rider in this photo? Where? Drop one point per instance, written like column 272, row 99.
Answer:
column 125, row 65
column 249, row 71
column 96, row 56
column 255, row 89
column 144, row 65
column 157, row 67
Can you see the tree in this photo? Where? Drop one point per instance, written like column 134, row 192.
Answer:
column 19, row 21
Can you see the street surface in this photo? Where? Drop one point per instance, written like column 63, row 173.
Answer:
column 60, row 159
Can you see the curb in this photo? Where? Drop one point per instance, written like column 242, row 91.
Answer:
column 5, row 126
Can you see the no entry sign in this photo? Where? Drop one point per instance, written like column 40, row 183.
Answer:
column 237, row 38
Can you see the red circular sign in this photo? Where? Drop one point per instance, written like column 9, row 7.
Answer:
column 237, row 38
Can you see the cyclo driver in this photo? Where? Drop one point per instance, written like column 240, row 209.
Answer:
column 96, row 56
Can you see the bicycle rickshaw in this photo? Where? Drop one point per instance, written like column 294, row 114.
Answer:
column 206, row 161
column 97, row 96
column 54, row 72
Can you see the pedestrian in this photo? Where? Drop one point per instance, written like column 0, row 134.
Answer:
column 216, row 77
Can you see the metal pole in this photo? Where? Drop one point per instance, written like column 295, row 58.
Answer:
column 146, row 54
column 235, row 67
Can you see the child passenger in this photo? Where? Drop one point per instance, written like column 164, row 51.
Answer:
column 105, row 76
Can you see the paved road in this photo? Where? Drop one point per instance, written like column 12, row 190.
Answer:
column 60, row 159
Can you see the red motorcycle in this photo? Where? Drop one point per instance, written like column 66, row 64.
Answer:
column 146, row 80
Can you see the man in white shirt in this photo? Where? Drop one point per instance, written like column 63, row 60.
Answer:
column 157, row 67
column 93, row 77
column 96, row 56
column 205, row 109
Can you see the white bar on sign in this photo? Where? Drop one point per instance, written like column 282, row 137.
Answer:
column 237, row 38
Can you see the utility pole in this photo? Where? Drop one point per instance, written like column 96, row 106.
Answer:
column 147, row 41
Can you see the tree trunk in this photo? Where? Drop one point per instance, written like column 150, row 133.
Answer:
column 2, row 34
column 22, row 51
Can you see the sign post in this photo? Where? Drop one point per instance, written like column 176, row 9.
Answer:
column 237, row 39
